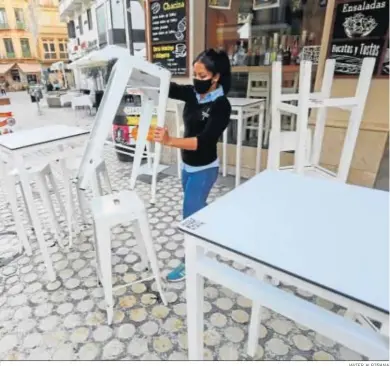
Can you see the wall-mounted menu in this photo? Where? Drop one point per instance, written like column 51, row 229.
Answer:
column 168, row 21
column 171, row 56
column 169, row 34
column 360, row 28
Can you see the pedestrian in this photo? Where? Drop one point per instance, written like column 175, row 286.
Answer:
column 206, row 115
column 3, row 88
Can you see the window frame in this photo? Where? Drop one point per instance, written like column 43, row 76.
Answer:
column 89, row 19
column 27, row 42
column 5, row 40
column 51, row 52
column 80, row 24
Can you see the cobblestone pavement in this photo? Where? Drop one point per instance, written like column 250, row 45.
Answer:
column 66, row 319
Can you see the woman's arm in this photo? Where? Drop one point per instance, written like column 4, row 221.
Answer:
column 187, row 143
column 181, row 92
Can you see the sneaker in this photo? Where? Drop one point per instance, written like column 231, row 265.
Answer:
column 178, row 274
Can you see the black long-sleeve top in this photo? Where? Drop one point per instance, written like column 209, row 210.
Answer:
column 206, row 121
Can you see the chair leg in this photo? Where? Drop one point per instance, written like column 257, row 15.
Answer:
column 48, row 204
column 10, row 186
column 56, row 190
column 104, row 173
column 103, row 246
column 147, row 238
column 82, row 204
column 141, row 246
column 25, row 205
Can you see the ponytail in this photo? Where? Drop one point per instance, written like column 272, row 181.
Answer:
column 217, row 62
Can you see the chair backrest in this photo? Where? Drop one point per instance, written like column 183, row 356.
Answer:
column 287, row 142
column 290, row 82
column 179, row 109
column 259, row 85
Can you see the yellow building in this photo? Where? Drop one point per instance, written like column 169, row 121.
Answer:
column 32, row 38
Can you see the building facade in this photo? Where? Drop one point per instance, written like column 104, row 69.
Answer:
column 32, row 39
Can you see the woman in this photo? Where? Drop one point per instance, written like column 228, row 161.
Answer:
column 206, row 115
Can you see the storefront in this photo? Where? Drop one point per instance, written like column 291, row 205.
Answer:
column 256, row 32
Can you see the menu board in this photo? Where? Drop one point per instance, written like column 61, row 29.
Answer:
column 169, row 35
column 171, row 56
column 360, row 29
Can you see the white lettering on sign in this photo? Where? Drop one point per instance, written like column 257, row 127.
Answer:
column 342, row 49
column 347, row 8
column 369, row 50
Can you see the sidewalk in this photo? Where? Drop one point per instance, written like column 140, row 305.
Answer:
column 65, row 319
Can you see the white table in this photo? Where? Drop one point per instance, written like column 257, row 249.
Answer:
column 245, row 108
column 82, row 101
column 20, row 143
column 325, row 237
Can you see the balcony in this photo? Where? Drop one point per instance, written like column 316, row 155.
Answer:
column 10, row 55
column 21, row 25
column 66, row 8
column 4, row 26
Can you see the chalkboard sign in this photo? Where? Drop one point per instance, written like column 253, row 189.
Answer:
column 171, row 56
column 360, row 29
column 169, row 35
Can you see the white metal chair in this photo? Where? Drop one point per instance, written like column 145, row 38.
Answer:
column 259, row 86
column 307, row 152
column 115, row 209
column 41, row 173
column 322, row 100
column 179, row 109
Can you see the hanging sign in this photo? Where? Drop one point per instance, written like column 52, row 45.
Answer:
column 265, row 4
column 359, row 30
column 220, row 4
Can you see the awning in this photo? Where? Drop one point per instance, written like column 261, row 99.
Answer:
column 30, row 68
column 4, row 68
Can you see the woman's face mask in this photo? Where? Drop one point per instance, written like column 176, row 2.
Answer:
column 202, row 86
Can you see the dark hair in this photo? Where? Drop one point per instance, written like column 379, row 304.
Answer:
column 217, row 62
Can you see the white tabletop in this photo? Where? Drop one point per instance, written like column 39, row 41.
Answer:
column 244, row 102
column 330, row 234
column 37, row 136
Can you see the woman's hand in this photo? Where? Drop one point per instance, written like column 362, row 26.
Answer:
column 161, row 135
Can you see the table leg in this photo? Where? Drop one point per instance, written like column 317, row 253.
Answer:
column 238, row 146
column 253, row 333
column 194, row 285
column 25, row 183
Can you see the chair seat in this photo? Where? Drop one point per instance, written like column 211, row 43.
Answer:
column 117, row 208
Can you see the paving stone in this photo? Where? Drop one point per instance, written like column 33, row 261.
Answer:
column 39, row 354
column 72, row 321
column 102, row 333
column 89, row 351
column 8, row 342
column 113, row 349
column 277, row 347
column 49, row 323
column 240, row 316
column 211, row 337
column 44, row 310
column 138, row 314
column 126, row 331
column 234, row 334
column 303, row 343
column 65, row 308
column 348, row 355
column 85, row 306
column 224, row 303
column 322, row 356
column 281, row 326
column 79, row 335
column 227, row 353
column 151, row 328
column 64, row 353
column 162, row 344
column 137, row 346
column 160, row 311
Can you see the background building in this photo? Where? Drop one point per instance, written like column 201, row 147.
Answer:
column 32, row 38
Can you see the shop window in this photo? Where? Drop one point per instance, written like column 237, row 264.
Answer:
column 71, row 30
column 32, row 78
column 101, row 25
column 49, row 49
column 15, row 75
column 255, row 33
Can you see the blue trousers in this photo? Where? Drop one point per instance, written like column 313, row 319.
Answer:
column 196, row 188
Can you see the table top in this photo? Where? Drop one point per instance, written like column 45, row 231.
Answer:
column 327, row 233
column 244, row 102
column 37, row 136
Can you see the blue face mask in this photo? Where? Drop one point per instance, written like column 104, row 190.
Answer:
column 202, row 86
